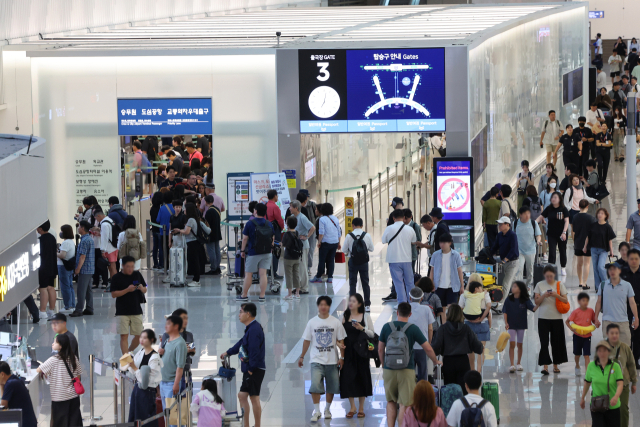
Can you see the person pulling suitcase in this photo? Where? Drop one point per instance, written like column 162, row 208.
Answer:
column 251, row 352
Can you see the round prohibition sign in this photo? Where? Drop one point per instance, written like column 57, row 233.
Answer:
column 458, row 189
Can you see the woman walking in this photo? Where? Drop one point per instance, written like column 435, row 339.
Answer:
column 604, row 144
column 581, row 224
column 143, row 396
column 158, row 253
column 61, row 369
column 605, row 378
column 190, row 231
column 619, row 132
column 515, row 320
column 556, row 216
column 460, row 341
column 329, row 234
column 600, row 242
column 66, row 265
column 545, row 196
column 355, row 376
column 573, row 195
column 424, row 412
column 550, row 325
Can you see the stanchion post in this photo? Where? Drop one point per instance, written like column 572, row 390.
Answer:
column 92, row 365
column 326, row 196
column 414, row 201
column 420, row 199
column 189, row 396
column 149, row 243
column 123, row 399
column 388, row 186
column 358, row 194
column 380, row 193
column 630, row 139
column 404, row 183
column 396, row 178
column 180, row 407
column 165, row 248
column 114, row 366
column 408, row 199
column 364, row 188
column 371, row 197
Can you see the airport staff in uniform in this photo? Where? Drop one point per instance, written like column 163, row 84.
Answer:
column 572, row 143
column 586, row 136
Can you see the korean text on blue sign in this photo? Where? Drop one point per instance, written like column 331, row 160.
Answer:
column 164, row 116
column 596, row 14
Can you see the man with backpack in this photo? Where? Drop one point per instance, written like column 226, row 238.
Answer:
column 400, row 238
column 305, row 229
column 257, row 242
column 472, row 409
column 357, row 246
column 529, row 238
column 397, row 339
column 109, row 232
column 506, row 246
column 116, row 212
column 551, row 132
column 274, row 216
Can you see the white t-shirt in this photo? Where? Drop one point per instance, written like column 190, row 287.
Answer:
column 445, row 276
column 548, row 308
column 70, row 248
column 422, row 317
column 399, row 250
column 488, row 411
column 323, row 334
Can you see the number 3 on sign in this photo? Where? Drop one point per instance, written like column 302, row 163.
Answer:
column 324, row 74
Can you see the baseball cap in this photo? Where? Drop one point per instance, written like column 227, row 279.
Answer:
column 504, row 220
column 605, row 344
column 613, row 264
column 59, row 317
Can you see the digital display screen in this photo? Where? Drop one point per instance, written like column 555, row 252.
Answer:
column 381, row 90
column 165, row 116
column 310, row 169
column 242, row 191
column 454, row 189
column 572, row 85
column 596, row 14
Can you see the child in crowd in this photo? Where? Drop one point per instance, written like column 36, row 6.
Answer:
column 585, row 317
column 525, row 179
column 208, row 405
column 457, row 416
column 476, row 305
column 292, row 249
column 433, row 301
column 623, row 248
column 515, row 319
column 474, row 297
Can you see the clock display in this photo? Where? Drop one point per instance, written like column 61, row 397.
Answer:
column 324, row 102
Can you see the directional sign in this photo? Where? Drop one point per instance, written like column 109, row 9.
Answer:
column 348, row 215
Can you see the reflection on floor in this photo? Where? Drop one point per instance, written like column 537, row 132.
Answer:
column 526, row 398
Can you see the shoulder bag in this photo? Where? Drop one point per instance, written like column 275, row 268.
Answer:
column 601, row 403
column 396, row 235
column 77, row 385
column 562, row 307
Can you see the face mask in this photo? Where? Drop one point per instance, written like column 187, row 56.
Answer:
column 581, row 125
column 552, row 185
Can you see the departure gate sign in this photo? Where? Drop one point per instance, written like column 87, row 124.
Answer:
column 454, row 189
column 165, row 116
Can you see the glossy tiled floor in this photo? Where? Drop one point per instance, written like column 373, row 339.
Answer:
column 526, row 398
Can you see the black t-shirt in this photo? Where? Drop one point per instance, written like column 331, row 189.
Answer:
column 569, row 144
column 178, row 221
column 15, row 392
column 170, row 184
column 212, row 216
column 581, row 225
column 603, row 138
column 203, row 145
column 150, row 146
column 584, row 132
column 564, row 184
column 555, row 220
column 600, row 235
column 129, row 303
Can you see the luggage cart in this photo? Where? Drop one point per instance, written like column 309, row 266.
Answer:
column 491, row 278
column 274, row 285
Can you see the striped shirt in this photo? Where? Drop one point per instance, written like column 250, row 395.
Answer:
column 86, row 248
column 61, row 383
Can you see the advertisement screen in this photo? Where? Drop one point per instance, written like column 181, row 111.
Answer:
column 165, row 116
column 572, row 85
column 454, row 189
column 381, row 90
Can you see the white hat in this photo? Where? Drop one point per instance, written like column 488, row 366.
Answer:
column 504, row 220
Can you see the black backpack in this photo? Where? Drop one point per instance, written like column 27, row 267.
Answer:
column 294, row 245
column 359, row 250
column 263, row 238
column 201, row 236
column 115, row 232
column 512, row 214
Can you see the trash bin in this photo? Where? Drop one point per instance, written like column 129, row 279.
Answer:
column 463, row 241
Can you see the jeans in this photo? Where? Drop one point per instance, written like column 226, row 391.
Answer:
column 327, row 255
column 510, row 270
column 158, row 252
column 66, row 287
column 402, row 277
column 420, row 358
column 166, row 392
column 84, row 293
column 599, row 260
column 363, row 270
column 527, row 260
column 213, row 249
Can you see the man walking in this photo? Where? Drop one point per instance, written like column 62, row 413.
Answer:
column 257, row 241
column 48, row 271
column 446, row 272
column 252, row 362
column 506, row 246
column 128, row 288
column 633, row 226
column 622, row 355
column 85, row 267
column 490, row 215
column 173, row 360
column 357, row 246
column 400, row 239
column 325, row 335
column 305, row 230
column 631, row 274
column 551, row 132
column 529, row 237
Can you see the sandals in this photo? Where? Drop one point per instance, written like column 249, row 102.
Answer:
column 585, row 287
column 556, row 370
column 350, row 414
column 544, row 372
column 360, row 414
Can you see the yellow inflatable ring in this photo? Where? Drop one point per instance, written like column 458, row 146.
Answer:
column 583, row 330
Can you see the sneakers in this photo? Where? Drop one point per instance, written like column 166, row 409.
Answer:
column 390, row 297
column 563, row 272
column 240, row 298
column 520, row 368
column 50, row 313
column 296, row 295
column 44, row 315
column 288, row 298
column 330, row 280
column 168, row 278
column 367, row 308
column 277, row 277
column 193, row 284
column 316, row 279
column 316, row 416
column 395, row 306
column 66, row 311
column 327, row 413
column 512, row 369
column 578, row 372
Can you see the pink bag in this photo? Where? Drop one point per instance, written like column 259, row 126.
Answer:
column 77, row 385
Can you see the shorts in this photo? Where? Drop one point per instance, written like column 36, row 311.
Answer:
column 447, row 296
column 399, row 385
column 252, row 383
column 578, row 252
column 113, row 256
column 325, row 373
column 614, row 73
column 129, row 325
column 581, row 346
column 482, row 331
column 516, row 334
column 45, row 282
column 253, row 263
column 550, row 147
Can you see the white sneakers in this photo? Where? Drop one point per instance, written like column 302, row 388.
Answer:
column 193, row 284
column 563, row 272
column 520, row 368
column 512, row 369
column 327, row 413
column 315, row 417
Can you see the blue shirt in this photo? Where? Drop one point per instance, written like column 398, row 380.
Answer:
column 164, row 217
column 250, row 231
column 254, row 347
column 17, row 395
column 506, row 245
column 329, row 227
column 436, row 264
column 526, row 238
column 516, row 312
column 86, row 248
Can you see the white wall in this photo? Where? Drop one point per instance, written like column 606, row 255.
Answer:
column 621, row 19
column 243, row 95
column 16, row 91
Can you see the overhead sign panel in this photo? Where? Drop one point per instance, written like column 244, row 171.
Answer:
column 165, row 116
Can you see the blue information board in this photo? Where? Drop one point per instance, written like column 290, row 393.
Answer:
column 165, row 116
column 596, row 14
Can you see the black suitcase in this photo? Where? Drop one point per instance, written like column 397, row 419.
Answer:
column 538, row 269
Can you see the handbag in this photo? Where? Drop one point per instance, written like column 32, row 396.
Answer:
column 340, row 258
column 226, row 371
column 601, row 403
column 77, row 385
column 562, row 307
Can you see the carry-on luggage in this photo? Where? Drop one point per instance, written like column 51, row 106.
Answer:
column 538, row 268
column 490, row 392
column 446, row 394
column 227, row 387
column 177, row 273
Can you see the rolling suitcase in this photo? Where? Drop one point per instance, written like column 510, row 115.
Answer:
column 490, row 392
column 227, row 387
column 176, row 266
column 538, row 269
column 446, row 394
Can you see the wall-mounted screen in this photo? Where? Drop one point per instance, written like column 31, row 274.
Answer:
column 454, row 188
column 164, row 116
column 381, row 90
column 572, row 86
